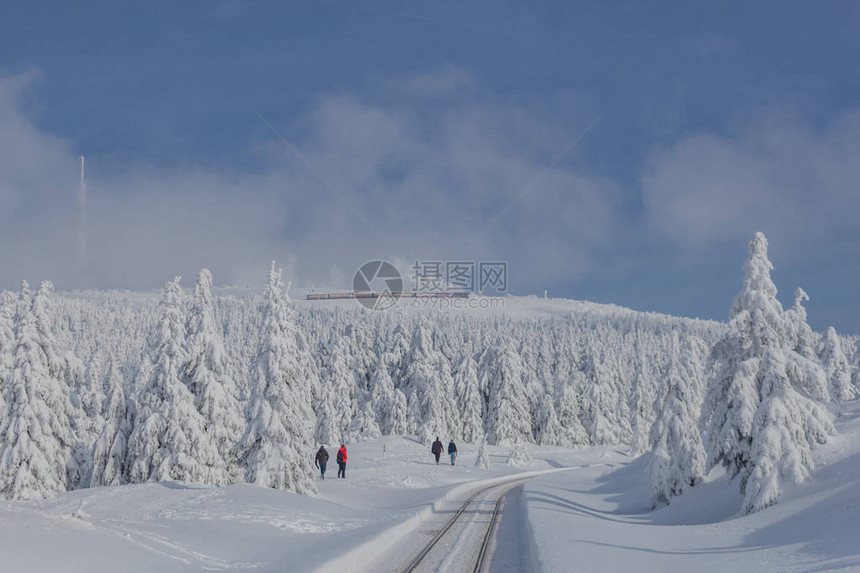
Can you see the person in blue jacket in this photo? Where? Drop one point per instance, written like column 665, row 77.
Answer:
column 452, row 451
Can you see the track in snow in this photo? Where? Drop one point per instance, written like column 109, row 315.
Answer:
column 464, row 542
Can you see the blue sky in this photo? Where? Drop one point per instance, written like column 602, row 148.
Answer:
column 430, row 120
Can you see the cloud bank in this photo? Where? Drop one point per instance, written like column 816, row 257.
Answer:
column 779, row 174
column 429, row 183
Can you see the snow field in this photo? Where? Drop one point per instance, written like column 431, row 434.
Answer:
column 170, row 527
column 597, row 519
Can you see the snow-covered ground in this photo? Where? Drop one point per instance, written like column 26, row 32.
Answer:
column 592, row 517
column 597, row 519
column 170, row 527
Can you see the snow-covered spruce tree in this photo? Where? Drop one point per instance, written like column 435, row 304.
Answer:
column 37, row 434
column 382, row 394
column 398, row 418
column 549, row 430
column 206, row 372
column 428, row 386
column 803, row 365
column 448, row 421
column 336, row 395
column 398, row 347
column 277, row 446
column 677, row 456
column 468, row 395
column 837, row 366
column 169, row 440
column 69, row 371
column 762, row 387
column 732, row 398
column 786, row 427
column 694, row 353
column 605, row 413
column 566, row 409
column 7, row 340
column 110, row 448
column 801, row 335
column 389, row 403
column 641, row 408
column 535, row 388
column 342, row 385
column 7, row 345
column 91, row 395
column 363, row 425
column 508, row 417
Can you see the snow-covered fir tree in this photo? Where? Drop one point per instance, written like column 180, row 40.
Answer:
column 37, row 435
column 508, row 417
column 566, row 410
column 169, row 440
column 641, row 408
column 801, row 335
column 803, row 364
column 677, row 456
column 605, row 412
column 549, row 429
column 336, row 395
column 65, row 367
column 277, row 446
column 837, row 366
column 428, row 387
column 7, row 344
column 468, row 392
column 206, row 372
column 363, row 425
column 762, row 383
column 786, row 427
column 389, row 404
column 91, row 395
column 110, row 448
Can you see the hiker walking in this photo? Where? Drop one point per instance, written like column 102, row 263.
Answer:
column 341, row 461
column 321, row 460
column 452, row 451
column 437, row 449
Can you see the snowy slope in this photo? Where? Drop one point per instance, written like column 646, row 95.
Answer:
column 593, row 517
column 170, row 527
column 597, row 519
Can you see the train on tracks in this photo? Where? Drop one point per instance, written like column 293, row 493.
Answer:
column 410, row 294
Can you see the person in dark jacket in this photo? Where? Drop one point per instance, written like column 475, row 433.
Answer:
column 437, row 449
column 452, row 451
column 341, row 461
column 321, row 460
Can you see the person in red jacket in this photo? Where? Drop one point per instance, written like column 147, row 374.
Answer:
column 341, row 461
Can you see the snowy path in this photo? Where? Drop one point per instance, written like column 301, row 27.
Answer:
column 464, row 541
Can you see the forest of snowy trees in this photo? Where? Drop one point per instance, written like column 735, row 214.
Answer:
column 108, row 388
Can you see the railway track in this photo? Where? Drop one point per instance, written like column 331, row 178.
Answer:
column 464, row 542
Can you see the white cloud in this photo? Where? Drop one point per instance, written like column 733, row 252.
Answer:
column 429, row 181
column 779, row 174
